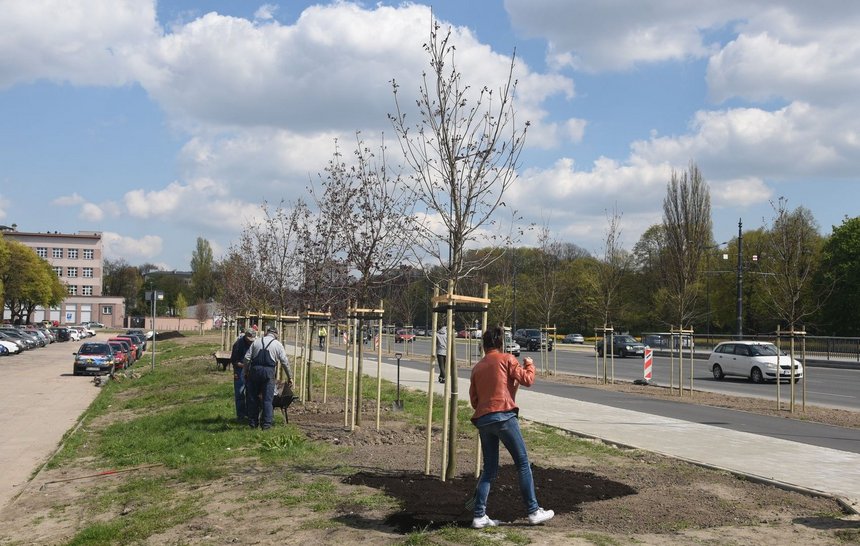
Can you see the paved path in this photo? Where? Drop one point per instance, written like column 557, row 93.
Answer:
column 789, row 464
column 40, row 400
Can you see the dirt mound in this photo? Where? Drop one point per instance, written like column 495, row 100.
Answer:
column 162, row 336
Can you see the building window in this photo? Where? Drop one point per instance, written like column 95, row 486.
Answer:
column 73, row 290
column 73, row 253
column 86, row 290
column 58, row 271
column 58, row 253
column 71, row 272
column 107, row 310
column 88, row 254
column 42, row 252
column 88, row 272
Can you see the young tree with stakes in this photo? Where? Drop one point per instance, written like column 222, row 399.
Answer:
column 463, row 152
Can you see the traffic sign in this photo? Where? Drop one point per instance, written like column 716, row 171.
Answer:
column 648, row 361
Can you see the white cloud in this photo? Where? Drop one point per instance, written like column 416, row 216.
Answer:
column 173, row 199
column 91, row 213
column 85, row 42
column 132, row 250
column 265, row 12
column 798, row 140
column 68, row 200
column 741, row 193
column 4, row 205
column 595, row 35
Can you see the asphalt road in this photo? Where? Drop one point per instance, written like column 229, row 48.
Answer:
column 826, row 387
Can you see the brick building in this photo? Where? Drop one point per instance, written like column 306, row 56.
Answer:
column 76, row 258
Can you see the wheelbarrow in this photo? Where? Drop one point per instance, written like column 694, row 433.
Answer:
column 222, row 358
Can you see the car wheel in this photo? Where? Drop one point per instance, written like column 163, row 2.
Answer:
column 718, row 372
column 756, row 376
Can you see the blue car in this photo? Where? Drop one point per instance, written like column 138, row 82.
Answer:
column 94, row 359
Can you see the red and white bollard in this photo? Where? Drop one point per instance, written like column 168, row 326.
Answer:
column 647, row 362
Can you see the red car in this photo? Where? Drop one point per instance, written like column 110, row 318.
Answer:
column 134, row 351
column 403, row 335
column 121, row 358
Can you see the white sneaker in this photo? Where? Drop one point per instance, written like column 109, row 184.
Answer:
column 540, row 515
column 485, row 521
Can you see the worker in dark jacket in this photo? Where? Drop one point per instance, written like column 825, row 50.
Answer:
column 240, row 347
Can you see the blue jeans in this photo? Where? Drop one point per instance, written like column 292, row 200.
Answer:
column 508, row 432
column 239, row 393
column 261, row 384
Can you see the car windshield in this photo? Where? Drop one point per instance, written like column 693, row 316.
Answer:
column 625, row 339
column 763, row 350
column 95, row 349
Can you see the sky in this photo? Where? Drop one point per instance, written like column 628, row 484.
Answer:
column 160, row 122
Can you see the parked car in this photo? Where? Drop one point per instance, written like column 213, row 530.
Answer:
column 532, row 339
column 11, row 347
column 136, row 349
column 139, row 340
column 403, row 336
column 755, row 360
column 573, row 338
column 94, row 325
column 18, row 342
column 126, row 344
column 61, row 333
column 74, row 333
column 623, row 345
column 15, row 334
column 94, row 358
column 122, row 354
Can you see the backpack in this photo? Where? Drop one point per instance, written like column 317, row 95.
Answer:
column 263, row 358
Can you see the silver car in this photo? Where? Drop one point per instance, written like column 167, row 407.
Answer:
column 755, row 360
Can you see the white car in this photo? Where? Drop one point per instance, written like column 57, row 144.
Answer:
column 74, row 334
column 755, row 360
column 14, row 348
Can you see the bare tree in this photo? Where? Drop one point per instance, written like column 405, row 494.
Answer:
column 549, row 263
column 369, row 207
column 273, row 248
column 793, row 246
column 611, row 269
column 463, row 152
column 239, row 291
column 687, row 230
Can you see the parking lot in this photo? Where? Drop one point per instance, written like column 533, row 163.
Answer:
column 40, row 400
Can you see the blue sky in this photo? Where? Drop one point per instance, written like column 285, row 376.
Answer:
column 157, row 123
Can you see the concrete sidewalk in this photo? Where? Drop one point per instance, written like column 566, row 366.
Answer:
column 787, row 464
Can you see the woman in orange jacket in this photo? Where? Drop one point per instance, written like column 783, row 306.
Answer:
column 492, row 391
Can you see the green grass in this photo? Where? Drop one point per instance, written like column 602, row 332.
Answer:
column 179, row 415
column 149, row 505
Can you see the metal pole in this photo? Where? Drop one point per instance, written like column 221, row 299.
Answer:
column 740, row 303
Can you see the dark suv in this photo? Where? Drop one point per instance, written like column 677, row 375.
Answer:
column 623, row 345
column 531, row 339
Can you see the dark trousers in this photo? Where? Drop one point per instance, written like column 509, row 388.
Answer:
column 261, row 384
column 239, row 393
column 441, row 360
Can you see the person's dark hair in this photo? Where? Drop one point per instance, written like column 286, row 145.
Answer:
column 494, row 338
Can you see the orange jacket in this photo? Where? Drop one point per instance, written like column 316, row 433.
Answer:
column 494, row 382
